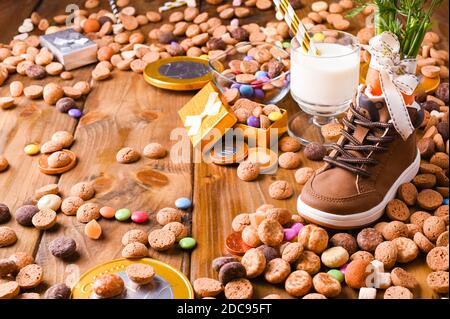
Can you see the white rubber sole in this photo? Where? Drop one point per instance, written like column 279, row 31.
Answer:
column 363, row 218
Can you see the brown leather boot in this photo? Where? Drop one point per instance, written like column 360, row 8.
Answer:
column 362, row 173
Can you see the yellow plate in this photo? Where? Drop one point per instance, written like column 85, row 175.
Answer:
column 426, row 84
column 156, row 73
column 168, row 283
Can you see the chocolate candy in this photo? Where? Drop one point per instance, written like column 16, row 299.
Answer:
column 231, row 271
column 5, row 214
column 253, row 121
column 62, row 247
column 138, row 217
column 75, row 113
column 187, row 243
column 315, row 151
column 24, row 214
column 58, row 291
column 183, row 203
column 246, row 90
column 122, row 214
column 218, row 262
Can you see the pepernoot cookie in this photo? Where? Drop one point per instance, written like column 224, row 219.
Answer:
column 429, row 199
column 70, row 205
column 277, row 270
column 88, row 212
column 44, row 219
column 167, row 215
column 240, row 222
column 345, row 240
column 407, row 249
column 280, row 190
column 313, row 238
column 433, row 227
column 270, row 232
column 135, row 236
column 254, row 262
column 394, row 230
column 161, row 239
column 362, row 255
column 289, row 144
column 407, row 192
column 248, row 171
column 386, row 252
column 326, row 285
column 397, row 292
column 21, row 259
column 281, row 215
column 302, row 175
column 334, row 257
column 368, row 239
column 424, row 244
column 437, row 259
column 309, row 262
column 140, row 274
column 24, row 214
column 442, row 239
column 207, row 287
column 230, row 271
column 401, row 277
column 62, row 247
column 154, row 151
column 108, row 286
column 9, row 290
column 298, row 283
column 289, row 160
column 250, row 236
column 8, row 236
column 135, row 250
column 418, row 218
column 292, row 252
column 30, row 276
column 127, row 155
column 438, row 281
column 83, row 190
column 178, row 229
column 397, row 210
column 239, row 289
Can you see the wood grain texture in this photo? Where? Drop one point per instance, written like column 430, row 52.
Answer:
column 125, row 111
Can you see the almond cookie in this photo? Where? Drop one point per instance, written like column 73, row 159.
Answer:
column 418, row 218
column 135, row 236
column 88, row 212
column 277, row 270
column 356, row 273
column 154, row 151
column 62, row 247
column 397, row 292
column 407, row 192
column 326, row 285
column 302, row 175
column 407, row 249
column 248, row 171
column 433, row 227
column 240, row 222
column 437, row 259
column 140, row 274
column 270, row 232
column 281, row 215
column 135, row 250
column 346, row 241
column 309, row 262
column 161, row 239
column 401, row 277
column 280, row 190
column 230, row 271
column 313, row 238
column 334, row 257
column 239, row 289
column 83, row 190
column 30, row 276
column 289, row 160
column 292, row 252
column 207, row 287
column 44, row 219
column 127, row 155
column 167, row 215
column 254, row 262
column 298, row 284
column 178, row 229
column 9, row 290
column 442, row 239
column 8, row 236
column 108, row 286
column 386, row 252
column 368, row 239
column 289, row 144
column 424, row 244
column 438, row 281
column 429, row 199
column 70, row 205
column 250, row 236
column 395, row 229
column 397, row 210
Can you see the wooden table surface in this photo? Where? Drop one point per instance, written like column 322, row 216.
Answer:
column 126, row 111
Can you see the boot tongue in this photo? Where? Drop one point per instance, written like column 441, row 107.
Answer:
column 374, row 109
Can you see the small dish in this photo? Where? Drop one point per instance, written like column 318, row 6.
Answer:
column 44, row 168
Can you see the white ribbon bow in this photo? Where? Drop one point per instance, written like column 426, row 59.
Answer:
column 396, row 76
column 212, row 107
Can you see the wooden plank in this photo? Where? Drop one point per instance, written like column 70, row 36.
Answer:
column 123, row 111
column 29, row 122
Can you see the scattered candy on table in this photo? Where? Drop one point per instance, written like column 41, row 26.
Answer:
column 32, row 149
column 107, row 212
column 122, row 214
column 183, row 203
column 75, row 113
column 187, row 243
column 336, row 274
column 93, row 229
column 275, row 116
column 139, row 217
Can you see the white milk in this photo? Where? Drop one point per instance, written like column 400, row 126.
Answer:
column 328, row 80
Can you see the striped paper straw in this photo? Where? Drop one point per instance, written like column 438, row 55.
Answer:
column 115, row 10
column 297, row 27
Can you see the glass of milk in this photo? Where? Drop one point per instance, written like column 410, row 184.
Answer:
column 324, row 85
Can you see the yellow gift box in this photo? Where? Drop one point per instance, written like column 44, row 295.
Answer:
column 204, row 113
